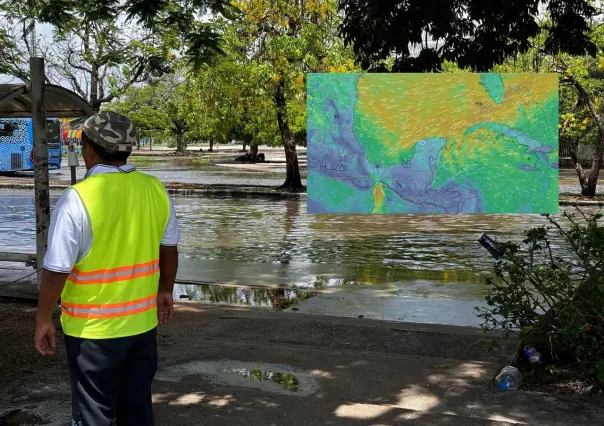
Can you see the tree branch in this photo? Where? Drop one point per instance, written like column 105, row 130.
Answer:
column 576, row 162
column 73, row 65
column 588, row 101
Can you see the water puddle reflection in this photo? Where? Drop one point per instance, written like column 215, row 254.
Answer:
column 287, row 380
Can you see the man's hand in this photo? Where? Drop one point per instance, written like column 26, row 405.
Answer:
column 45, row 338
column 165, row 307
column 52, row 286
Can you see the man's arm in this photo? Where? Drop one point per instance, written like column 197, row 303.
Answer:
column 64, row 236
column 168, row 266
column 50, row 292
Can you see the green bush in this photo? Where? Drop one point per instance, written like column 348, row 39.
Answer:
column 549, row 291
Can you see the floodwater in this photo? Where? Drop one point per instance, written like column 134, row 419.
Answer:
column 212, row 170
column 272, row 254
column 370, row 249
column 205, row 169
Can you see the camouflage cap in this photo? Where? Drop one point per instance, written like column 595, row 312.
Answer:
column 110, row 130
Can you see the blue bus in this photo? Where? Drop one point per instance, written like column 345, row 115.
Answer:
column 17, row 144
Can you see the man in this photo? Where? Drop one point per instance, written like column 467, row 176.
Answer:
column 112, row 260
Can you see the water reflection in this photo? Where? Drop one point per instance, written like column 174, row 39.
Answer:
column 352, row 249
column 273, row 298
column 287, row 380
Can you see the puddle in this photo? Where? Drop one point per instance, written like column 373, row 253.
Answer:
column 287, row 380
column 271, row 298
column 273, row 378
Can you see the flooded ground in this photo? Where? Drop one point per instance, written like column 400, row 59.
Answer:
column 220, row 168
column 370, row 249
column 204, row 168
column 272, row 254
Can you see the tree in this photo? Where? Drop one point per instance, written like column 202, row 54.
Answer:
column 483, row 35
column 220, row 100
column 99, row 59
column 177, row 20
column 280, row 41
column 475, row 34
column 584, row 76
column 582, row 85
column 167, row 105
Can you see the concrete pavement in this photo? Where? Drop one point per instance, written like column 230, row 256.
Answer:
column 322, row 289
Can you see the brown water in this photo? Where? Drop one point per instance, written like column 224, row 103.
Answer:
column 373, row 249
column 207, row 169
column 211, row 169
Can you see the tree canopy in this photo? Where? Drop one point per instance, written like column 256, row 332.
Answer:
column 174, row 21
column 475, row 34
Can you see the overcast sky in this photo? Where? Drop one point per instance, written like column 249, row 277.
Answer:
column 43, row 31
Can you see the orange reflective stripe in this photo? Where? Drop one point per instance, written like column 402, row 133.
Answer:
column 112, row 270
column 123, row 273
column 109, row 310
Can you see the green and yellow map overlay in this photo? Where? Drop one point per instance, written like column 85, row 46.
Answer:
column 456, row 143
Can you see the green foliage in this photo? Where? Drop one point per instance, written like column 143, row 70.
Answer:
column 550, row 290
column 174, row 23
column 600, row 371
column 474, row 34
column 232, row 95
column 277, row 41
column 161, row 109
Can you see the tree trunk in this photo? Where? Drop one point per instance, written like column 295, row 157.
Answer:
column 94, row 89
column 589, row 181
column 293, row 181
column 181, row 145
column 588, row 188
column 253, row 151
column 244, row 147
column 212, row 144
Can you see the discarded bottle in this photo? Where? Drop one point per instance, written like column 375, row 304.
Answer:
column 532, row 355
column 491, row 245
column 509, row 378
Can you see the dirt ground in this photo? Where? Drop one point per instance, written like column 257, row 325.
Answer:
column 19, row 361
column 18, row 358
column 17, row 355
column 364, row 373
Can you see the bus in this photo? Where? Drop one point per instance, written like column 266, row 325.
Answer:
column 17, row 144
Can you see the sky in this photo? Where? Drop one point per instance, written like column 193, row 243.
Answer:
column 43, row 31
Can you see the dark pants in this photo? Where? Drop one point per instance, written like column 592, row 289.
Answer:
column 111, row 378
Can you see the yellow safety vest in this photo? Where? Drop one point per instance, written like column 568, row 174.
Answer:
column 112, row 291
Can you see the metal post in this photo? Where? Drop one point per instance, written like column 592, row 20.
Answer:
column 42, row 198
column 72, row 162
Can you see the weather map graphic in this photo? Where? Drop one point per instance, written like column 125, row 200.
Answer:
column 450, row 143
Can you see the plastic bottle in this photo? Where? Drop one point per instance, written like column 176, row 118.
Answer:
column 509, row 378
column 532, row 354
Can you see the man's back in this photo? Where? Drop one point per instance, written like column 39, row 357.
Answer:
column 110, row 291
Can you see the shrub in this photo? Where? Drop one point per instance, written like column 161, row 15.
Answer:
column 549, row 290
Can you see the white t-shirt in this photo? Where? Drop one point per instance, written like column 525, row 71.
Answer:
column 70, row 232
